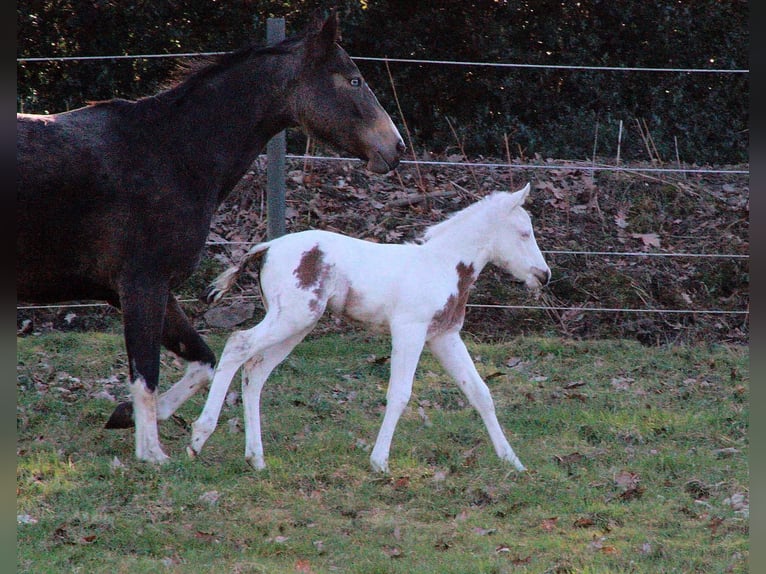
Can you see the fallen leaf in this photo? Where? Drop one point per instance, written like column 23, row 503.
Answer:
column 626, row 479
column 303, row 566
column 632, row 493
column 597, row 543
column 569, row 458
column 727, row 452
column 584, row 522
column 549, row 523
column 392, row 552
column 281, row 539
column 206, row 536
column 646, row 548
column 648, row 239
column 25, row 519
column 574, row 384
column 210, row 497
column 622, row 383
column 714, row 523
column 402, row 482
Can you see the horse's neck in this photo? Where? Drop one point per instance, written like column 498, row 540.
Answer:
column 219, row 127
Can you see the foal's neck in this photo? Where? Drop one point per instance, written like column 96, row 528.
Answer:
column 466, row 245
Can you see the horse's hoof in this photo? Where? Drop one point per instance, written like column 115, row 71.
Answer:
column 122, row 417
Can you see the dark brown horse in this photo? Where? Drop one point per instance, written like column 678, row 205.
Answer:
column 114, row 200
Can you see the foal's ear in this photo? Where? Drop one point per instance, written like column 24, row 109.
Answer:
column 519, row 197
column 321, row 35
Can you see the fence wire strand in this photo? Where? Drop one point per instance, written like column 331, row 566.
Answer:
column 659, row 170
column 408, row 61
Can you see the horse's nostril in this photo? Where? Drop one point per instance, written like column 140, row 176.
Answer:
column 400, row 147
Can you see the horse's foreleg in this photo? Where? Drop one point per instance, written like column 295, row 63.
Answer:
column 406, row 345
column 143, row 306
column 181, row 338
column 451, row 352
column 254, row 375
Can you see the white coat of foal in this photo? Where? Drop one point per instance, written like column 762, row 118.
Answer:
column 416, row 291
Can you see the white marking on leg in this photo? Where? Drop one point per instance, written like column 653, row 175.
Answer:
column 240, row 347
column 406, row 346
column 197, row 375
column 451, row 352
column 148, row 446
column 254, row 375
column 235, row 353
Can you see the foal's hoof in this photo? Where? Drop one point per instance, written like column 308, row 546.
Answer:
column 122, row 417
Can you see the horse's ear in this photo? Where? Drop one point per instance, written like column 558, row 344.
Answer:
column 321, row 35
column 519, row 197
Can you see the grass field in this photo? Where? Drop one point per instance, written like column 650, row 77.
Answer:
column 637, row 461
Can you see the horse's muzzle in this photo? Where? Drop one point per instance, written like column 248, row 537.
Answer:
column 383, row 161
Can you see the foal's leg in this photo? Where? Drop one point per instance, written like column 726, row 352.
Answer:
column 406, row 345
column 240, row 347
column 143, row 305
column 254, row 375
column 181, row 338
column 451, row 352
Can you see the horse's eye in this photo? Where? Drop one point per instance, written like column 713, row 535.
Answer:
column 355, row 82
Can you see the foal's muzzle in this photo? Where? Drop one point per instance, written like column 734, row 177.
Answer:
column 543, row 276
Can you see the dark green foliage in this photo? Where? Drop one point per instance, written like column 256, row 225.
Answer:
column 549, row 111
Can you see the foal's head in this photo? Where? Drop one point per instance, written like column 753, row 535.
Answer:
column 513, row 246
column 332, row 101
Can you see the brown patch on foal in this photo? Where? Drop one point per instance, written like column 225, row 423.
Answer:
column 309, row 270
column 312, row 273
column 453, row 312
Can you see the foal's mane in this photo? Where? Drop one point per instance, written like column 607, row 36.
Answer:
column 458, row 218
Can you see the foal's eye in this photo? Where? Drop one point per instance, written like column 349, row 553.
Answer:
column 355, row 82
column 526, row 235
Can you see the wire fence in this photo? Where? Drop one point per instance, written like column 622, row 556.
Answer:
column 593, row 167
column 407, row 61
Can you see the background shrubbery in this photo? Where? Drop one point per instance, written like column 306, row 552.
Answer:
column 703, row 118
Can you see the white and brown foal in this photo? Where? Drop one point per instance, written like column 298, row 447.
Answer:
column 418, row 292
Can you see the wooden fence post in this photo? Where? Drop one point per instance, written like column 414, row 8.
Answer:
column 275, row 154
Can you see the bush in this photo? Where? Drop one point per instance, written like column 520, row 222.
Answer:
column 701, row 117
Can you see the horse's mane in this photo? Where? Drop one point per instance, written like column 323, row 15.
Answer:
column 193, row 73
column 459, row 217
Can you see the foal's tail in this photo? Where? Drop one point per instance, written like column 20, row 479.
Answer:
column 225, row 281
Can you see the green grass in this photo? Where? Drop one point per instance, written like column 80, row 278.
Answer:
column 623, row 444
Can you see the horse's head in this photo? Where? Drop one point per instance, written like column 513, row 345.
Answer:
column 515, row 248
column 332, row 101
